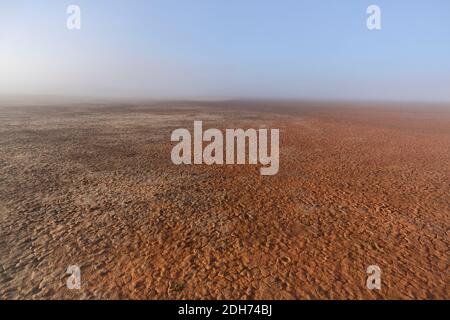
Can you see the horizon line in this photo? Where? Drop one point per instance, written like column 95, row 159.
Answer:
column 141, row 99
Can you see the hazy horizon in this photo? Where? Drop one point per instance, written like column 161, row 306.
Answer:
column 163, row 50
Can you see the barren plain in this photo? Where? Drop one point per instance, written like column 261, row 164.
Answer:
column 93, row 185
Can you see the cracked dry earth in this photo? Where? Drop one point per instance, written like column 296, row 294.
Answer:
column 94, row 186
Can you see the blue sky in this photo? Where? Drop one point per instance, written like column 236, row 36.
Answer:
column 311, row 49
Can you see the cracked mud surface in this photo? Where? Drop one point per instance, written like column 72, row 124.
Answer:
column 94, row 186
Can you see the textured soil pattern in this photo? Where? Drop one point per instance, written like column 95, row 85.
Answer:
column 94, row 186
